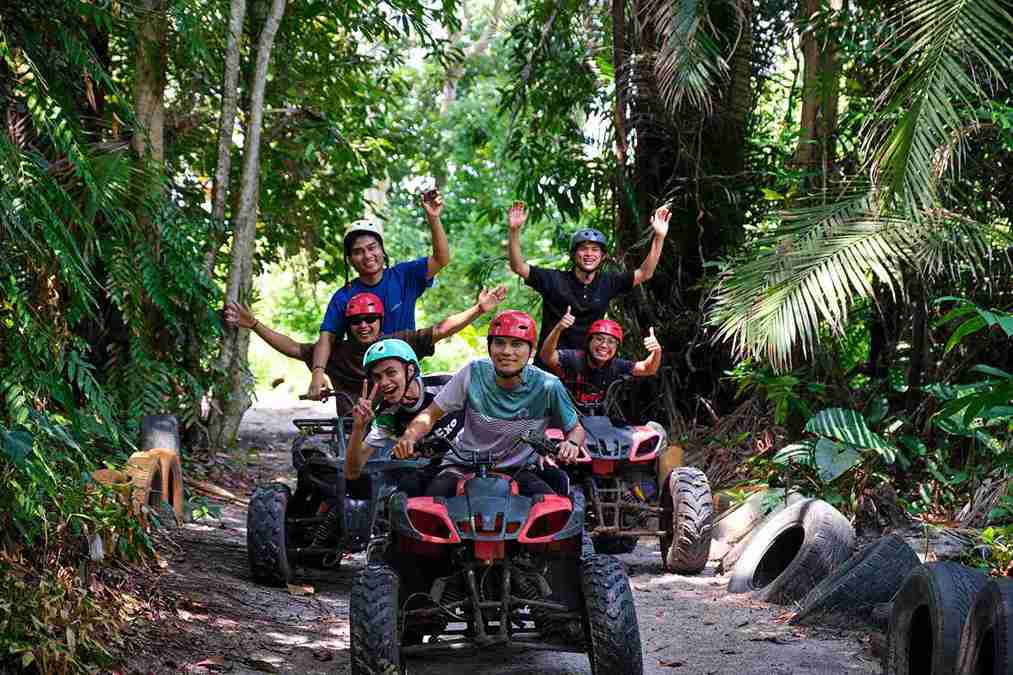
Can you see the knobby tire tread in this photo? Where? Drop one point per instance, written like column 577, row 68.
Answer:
column 614, row 634
column 373, row 614
column 689, row 521
column 266, row 537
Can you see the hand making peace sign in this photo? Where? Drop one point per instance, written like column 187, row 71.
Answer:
column 362, row 411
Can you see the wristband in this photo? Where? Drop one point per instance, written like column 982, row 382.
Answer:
column 315, row 368
column 256, row 322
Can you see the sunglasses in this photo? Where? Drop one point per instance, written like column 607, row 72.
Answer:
column 365, row 318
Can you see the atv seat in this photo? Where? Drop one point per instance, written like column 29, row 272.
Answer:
column 436, row 379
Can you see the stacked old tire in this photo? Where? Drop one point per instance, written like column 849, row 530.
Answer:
column 792, row 551
column 155, row 472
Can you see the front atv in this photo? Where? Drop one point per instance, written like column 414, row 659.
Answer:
column 491, row 568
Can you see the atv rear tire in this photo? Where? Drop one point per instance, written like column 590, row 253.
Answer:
column 160, row 431
column 792, row 551
column 870, row 577
column 267, row 535
column 615, row 545
column 988, row 632
column 373, row 615
column 610, row 617
column 928, row 617
column 687, row 519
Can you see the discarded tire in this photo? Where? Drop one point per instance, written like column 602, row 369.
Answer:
column 373, row 618
column 613, row 634
column 615, row 545
column 145, row 474
column 928, row 616
column 852, row 590
column 988, row 632
column 792, row 551
column 687, row 520
column 160, row 431
column 267, row 535
column 171, row 477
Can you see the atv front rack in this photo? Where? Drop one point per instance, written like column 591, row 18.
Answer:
column 336, row 428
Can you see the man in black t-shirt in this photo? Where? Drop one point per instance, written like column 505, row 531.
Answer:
column 588, row 373
column 584, row 288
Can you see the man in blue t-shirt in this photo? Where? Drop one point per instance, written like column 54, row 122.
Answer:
column 503, row 397
column 398, row 287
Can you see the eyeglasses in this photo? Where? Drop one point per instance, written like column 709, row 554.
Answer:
column 604, row 340
column 363, row 318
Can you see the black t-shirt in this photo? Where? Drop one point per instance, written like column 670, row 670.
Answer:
column 588, row 385
column 587, row 302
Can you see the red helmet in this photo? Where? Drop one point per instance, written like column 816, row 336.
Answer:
column 516, row 324
column 606, row 327
column 364, row 303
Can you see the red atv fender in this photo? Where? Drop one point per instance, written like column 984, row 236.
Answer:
column 489, row 512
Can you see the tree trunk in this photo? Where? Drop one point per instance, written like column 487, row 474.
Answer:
column 820, row 92
column 226, row 125
column 235, row 400
column 624, row 213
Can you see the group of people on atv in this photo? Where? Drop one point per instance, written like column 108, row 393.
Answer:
column 370, row 351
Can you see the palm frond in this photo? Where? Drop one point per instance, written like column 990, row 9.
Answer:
column 689, row 65
column 822, row 261
column 945, row 50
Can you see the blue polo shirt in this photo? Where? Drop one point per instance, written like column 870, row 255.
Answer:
column 398, row 289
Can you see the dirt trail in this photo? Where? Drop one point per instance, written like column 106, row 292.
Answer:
column 226, row 623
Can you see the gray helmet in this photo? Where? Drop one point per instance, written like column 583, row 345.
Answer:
column 590, row 235
column 362, row 227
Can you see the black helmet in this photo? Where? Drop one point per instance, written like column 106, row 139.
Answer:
column 588, row 235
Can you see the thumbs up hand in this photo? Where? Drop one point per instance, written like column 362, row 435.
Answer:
column 567, row 320
column 651, row 342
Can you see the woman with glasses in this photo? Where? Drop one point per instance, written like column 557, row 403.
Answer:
column 587, row 373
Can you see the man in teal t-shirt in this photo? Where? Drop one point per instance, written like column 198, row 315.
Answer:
column 502, row 398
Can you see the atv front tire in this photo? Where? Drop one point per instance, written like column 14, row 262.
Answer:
column 267, row 535
column 610, row 617
column 372, row 610
column 687, row 520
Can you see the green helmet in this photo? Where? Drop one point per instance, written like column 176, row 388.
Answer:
column 391, row 349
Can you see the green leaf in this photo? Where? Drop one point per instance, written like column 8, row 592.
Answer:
column 772, row 195
column 849, row 427
column 800, row 453
column 834, row 459
column 16, row 445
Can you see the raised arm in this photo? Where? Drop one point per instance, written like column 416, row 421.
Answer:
column 239, row 315
column 358, row 452
column 487, row 301
column 660, row 224
column 417, row 428
column 441, row 247
column 321, row 353
column 549, row 352
column 650, row 365
column 516, row 217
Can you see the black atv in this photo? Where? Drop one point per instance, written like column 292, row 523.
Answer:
column 327, row 517
column 492, row 568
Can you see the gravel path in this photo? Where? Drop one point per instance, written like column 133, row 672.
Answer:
column 226, row 623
